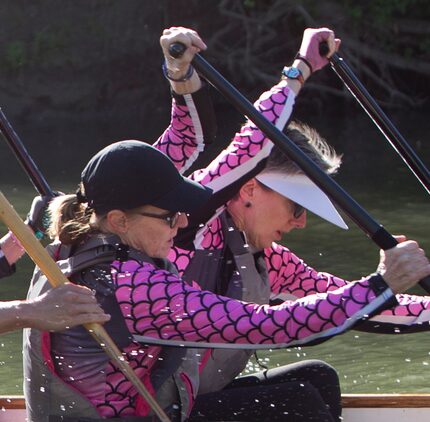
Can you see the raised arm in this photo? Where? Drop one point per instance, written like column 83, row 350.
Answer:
column 10, row 251
column 245, row 155
column 193, row 124
column 10, row 248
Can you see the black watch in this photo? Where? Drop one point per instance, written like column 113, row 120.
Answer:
column 293, row 73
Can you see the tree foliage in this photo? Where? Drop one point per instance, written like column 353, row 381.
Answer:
column 102, row 56
column 386, row 42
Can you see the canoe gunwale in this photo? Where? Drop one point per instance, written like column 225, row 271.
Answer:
column 348, row 401
column 386, row 400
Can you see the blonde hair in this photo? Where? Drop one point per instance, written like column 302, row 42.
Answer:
column 72, row 221
column 312, row 144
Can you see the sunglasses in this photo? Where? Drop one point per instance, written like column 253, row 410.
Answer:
column 171, row 218
column 298, row 210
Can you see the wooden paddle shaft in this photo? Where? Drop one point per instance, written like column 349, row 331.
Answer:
column 56, row 278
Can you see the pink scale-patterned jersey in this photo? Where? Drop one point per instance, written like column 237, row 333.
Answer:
column 87, row 370
column 158, row 304
column 192, row 127
column 290, row 278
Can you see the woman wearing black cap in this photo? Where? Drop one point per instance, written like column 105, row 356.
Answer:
column 113, row 236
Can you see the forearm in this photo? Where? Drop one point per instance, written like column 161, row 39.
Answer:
column 250, row 147
column 14, row 315
column 185, row 87
column 172, row 310
column 294, row 84
column 290, row 277
column 411, row 315
column 192, row 127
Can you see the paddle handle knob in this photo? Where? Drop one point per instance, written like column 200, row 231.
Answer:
column 177, row 49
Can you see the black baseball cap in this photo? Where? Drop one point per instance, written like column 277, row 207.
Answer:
column 129, row 174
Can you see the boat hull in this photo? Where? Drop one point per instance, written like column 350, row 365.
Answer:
column 356, row 408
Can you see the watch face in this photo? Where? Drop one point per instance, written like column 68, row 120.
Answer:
column 292, row 73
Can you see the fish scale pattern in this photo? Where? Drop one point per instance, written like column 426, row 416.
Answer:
column 291, row 275
column 411, row 306
column 288, row 274
column 248, row 144
column 179, row 141
column 120, row 398
column 158, row 303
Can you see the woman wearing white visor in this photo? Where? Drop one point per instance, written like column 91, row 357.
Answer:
column 236, row 255
column 231, row 247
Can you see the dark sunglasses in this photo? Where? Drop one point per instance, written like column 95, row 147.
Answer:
column 298, row 210
column 171, row 218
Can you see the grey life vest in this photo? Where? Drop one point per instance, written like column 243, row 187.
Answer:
column 249, row 281
column 46, row 393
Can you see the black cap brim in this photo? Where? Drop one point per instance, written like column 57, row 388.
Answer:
column 187, row 197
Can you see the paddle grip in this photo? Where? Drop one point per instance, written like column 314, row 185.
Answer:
column 177, row 49
column 323, row 49
column 386, row 241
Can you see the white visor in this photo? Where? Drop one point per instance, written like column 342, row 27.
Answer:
column 300, row 189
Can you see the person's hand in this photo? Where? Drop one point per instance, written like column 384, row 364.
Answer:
column 64, row 307
column 178, row 68
column 404, row 265
column 37, row 217
column 309, row 49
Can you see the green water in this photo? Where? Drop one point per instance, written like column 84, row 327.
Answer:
column 377, row 179
column 366, row 362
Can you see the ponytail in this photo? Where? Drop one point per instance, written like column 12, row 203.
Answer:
column 71, row 220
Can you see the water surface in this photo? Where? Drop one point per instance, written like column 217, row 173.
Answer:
column 367, row 363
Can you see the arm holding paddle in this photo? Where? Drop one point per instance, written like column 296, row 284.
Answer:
column 58, row 309
column 292, row 276
column 193, row 125
column 405, row 263
column 308, row 59
column 10, row 248
column 179, row 71
column 188, row 42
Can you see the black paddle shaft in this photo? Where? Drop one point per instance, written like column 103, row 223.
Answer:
column 24, row 157
column 355, row 211
column 377, row 115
